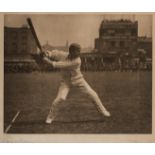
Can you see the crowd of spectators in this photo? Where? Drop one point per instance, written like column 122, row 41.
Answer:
column 88, row 64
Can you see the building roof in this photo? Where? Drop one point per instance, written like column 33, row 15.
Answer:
column 122, row 21
column 15, row 28
column 118, row 23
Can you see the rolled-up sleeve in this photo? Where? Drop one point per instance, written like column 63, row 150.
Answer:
column 57, row 55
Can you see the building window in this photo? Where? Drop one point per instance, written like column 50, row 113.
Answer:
column 14, row 51
column 111, row 31
column 112, row 43
column 24, row 44
column 120, row 31
column 23, row 51
column 15, row 37
column 133, row 32
column 24, row 37
column 121, row 43
column 126, row 44
column 24, row 31
column 14, row 45
column 117, row 44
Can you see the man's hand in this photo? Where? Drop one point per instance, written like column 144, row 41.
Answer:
column 47, row 60
column 44, row 53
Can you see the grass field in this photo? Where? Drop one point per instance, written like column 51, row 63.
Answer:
column 127, row 95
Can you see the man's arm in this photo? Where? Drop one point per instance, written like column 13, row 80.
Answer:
column 56, row 55
column 61, row 64
column 48, row 61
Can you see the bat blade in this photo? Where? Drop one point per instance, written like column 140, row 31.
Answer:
column 29, row 21
column 37, row 56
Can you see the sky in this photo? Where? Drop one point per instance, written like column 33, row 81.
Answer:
column 80, row 28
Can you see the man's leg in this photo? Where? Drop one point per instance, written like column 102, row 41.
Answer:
column 61, row 96
column 85, row 88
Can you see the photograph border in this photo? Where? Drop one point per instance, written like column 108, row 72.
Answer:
column 73, row 137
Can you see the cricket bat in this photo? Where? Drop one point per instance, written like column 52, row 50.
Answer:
column 36, row 57
column 29, row 21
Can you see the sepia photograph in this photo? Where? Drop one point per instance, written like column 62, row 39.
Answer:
column 78, row 73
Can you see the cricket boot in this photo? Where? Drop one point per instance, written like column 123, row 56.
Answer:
column 50, row 118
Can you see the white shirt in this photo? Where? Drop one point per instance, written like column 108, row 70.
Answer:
column 70, row 68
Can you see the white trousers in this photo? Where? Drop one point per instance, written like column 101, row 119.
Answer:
column 83, row 87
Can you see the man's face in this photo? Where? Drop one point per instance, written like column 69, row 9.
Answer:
column 73, row 54
column 74, row 51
